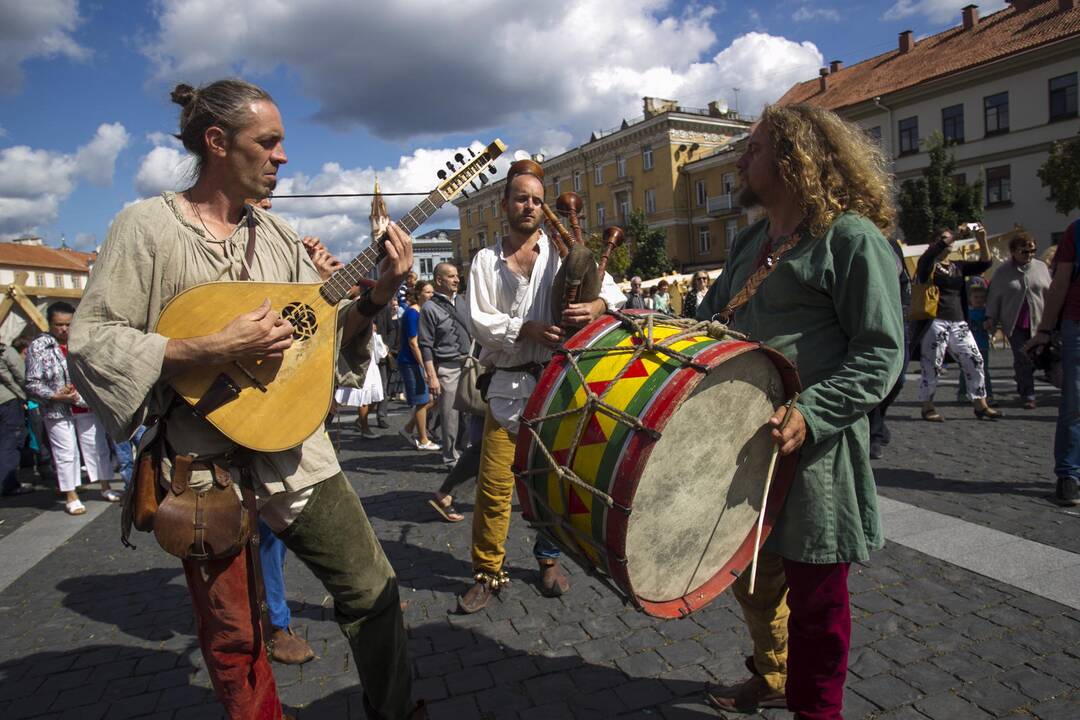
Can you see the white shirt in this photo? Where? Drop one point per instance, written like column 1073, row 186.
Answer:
column 500, row 302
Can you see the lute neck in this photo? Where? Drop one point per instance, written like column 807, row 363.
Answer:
column 336, row 288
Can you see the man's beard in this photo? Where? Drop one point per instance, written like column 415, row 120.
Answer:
column 525, row 225
column 747, row 197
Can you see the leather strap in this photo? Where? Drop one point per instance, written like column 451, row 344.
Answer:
column 770, row 262
column 255, row 577
column 249, row 252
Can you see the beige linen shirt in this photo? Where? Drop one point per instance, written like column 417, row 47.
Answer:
column 152, row 254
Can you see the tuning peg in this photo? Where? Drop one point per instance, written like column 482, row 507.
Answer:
column 441, row 174
column 472, row 153
column 450, row 166
column 465, row 194
column 483, row 179
column 459, row 157
column 491, row 169
column 474, row 185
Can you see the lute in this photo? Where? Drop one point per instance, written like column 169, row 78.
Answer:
column 275, row 404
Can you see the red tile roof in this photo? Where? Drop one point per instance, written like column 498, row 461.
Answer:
column 43, row 256
column 996, row 36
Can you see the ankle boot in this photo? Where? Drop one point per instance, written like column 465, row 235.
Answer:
column 553, row 582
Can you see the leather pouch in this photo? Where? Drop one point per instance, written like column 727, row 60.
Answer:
column 209, row 525
column 145, row 492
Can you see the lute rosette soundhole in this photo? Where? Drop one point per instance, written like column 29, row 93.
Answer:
column 302, row 318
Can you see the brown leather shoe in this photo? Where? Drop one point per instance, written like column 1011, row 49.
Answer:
column 289, row 649
column 553, row 582
column 476, row 599
column 747, row 697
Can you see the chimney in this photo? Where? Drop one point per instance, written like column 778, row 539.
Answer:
column 823, row 80
column 971, row 16
column 835, row 66
column 1064, row 5
column 907, row 41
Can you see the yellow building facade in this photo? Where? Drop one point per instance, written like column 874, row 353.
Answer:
column 641, row 164
column 715, row 214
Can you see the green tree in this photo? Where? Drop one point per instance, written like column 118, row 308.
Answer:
column 936, row 198
column 1061, row 173
column 619, row 259
column 650, row 257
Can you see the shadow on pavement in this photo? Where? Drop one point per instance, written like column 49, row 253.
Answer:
column 919, row 480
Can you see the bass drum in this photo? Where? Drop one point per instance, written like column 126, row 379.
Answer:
column 643, row 453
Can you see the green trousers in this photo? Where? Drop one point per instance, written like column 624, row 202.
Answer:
column 333, row 537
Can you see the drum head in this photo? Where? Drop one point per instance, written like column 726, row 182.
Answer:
column 700, row 491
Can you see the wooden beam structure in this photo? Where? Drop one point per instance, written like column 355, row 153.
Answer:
column 19, row 294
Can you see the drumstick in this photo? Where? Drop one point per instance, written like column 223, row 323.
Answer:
column 765, row 493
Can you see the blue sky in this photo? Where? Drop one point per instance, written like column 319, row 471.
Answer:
column 369, row 88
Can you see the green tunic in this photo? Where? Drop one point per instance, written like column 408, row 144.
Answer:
column 832, row 307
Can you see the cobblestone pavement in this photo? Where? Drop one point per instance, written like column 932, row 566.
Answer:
column 97, row 631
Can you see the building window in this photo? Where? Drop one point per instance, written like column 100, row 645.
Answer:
column 647, row 157
column 909, row 135
column 39, row 279
column 701, row 193
column 998, row 185
column 481, row 239
column 494, row 209
column 577, row 181
column 505, row 229
column 731, row 229
column 704, row 241
column 468, row 216
column 952, row 123
column 650, row 200
column 624, row 209
column 729, row 183
column 480, row 213
column 1063, row 97
column 558, row 187
column 598, row 175
column 58, row 280
column 77, row 281
column 600, row 214
column 425, row 266
column 996, row 113
column 874, row 134
column 620, row 165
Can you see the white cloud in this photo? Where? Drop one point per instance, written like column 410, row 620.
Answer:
column 33, row 182
column 166, row 139
column 96, row 160
column 938, row 11
column 86, row 242
column 41, row 28
column 163, row 168
column 805, row 13
column 420, row 70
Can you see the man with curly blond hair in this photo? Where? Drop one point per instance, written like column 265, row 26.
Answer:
column 832, row 306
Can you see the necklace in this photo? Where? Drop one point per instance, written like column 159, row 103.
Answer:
column 213, row 237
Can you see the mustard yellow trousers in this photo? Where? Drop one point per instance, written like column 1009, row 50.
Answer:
column 766, row 613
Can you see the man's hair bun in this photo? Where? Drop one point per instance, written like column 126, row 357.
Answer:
column 183, row 94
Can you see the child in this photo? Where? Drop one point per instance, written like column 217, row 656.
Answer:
column 976, row 321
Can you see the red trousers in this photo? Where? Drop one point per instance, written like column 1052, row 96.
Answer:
column 230, row 636
column 819, row 636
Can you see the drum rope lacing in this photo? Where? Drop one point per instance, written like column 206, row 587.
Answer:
column 642, row 330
